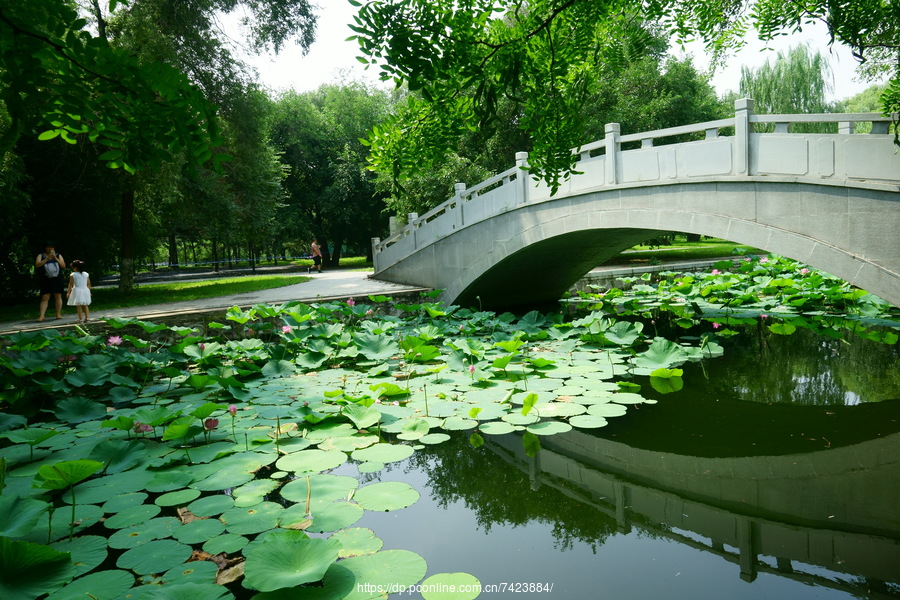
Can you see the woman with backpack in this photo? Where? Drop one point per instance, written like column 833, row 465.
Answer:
column 49, row 266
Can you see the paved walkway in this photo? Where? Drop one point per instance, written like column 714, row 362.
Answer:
column 329, row 285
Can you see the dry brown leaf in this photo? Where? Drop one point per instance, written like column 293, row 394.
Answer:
column 230, row 574
column 187, row 516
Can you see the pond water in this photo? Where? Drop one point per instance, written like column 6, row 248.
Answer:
column 774, row 473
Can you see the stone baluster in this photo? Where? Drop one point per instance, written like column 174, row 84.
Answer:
column 458, row 189
column 743, row 109
column 613, row 149
column 522, row 177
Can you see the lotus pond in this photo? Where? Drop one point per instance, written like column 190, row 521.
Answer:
column 695, row 436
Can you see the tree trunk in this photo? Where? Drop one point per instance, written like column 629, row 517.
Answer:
column 215, row 255
column 173, row 250
column 334, row 259
column 126, row 223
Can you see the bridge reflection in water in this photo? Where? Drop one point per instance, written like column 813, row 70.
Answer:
column 835, row 509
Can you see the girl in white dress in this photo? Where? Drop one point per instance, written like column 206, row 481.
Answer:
column 79, row 292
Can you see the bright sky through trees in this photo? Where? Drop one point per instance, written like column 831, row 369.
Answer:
column 331, row 55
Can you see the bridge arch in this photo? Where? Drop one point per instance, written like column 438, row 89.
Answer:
column 831, row 201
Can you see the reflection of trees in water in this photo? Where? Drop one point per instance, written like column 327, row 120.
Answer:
column 500, row 493
column 805, row 368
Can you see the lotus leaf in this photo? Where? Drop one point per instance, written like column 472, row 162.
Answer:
column 253, row 492
column 348, row 444
column 559, row 409
column 86, row 515
column 497, row 428
column 210, row 506
column 383, row 453
column 288, row 559
column 548, row 428
column 325, row 517
column 588, row 421
column 179, row 498
column 198, row 531
column 88, row 552
column 120, row 455
column 387, row 567
column 627, row 398
column 228, row 543
column 311, row 461
column 246, row 521
column 436, row 586
column 154, row 557
column 79, row 410
column 132, row 516
column 319, row 488
column 30, row 570
column 134, row 536
column 386, row 496
column 357, row 541
column 18, row 516
column 459, row 424
column 103, row 585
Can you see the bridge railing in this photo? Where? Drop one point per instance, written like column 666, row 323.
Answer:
column 604, row 164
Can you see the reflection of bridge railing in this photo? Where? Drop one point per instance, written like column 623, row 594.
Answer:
column 840, row 159
column 754, row 538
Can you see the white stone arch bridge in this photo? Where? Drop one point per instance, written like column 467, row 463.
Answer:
column 829, row 200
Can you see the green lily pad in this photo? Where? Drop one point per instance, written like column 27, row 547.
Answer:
column 329, row 517
column 87, row 552
column 438, row 586
column 385, row 496
column 400, row 568
column 102, row 489
column 123, row 501
column 246, row 521
column 627, row 398
column 497, row 428
column 549, row 427
column 311, row 461
column 348, row 444
column 169, row 481
column 29, row 570
column 288, row 559
column 253, row 492
column 179, row 498
column 86, row 515
column 383, row 453
column 434, row 438
column 198, row 531
column 607, row 410
column 154, row 557
column 228, row 543
column 102, row 585
column 588, row 421
column 211, row 506
column 517, row 418
column 357, row 541
column 459, row 424
column 134, row 536
column 132, row 516
column 558, row 409
column 193, row 572
column 18, row 516
column 320, row 488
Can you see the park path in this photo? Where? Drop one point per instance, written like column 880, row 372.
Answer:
column 329, row 285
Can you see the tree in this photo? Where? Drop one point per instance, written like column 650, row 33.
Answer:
column 463, row 57
column 795, row 82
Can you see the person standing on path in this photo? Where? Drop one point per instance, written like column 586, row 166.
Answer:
column 49, row 266
column 316, row 254
column 79, row 292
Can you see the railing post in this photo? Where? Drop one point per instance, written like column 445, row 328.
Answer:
column 522, row 177
column 613, row 148
column 743, row 109
column 410, row 223
column 458, row 189
column 376, row 253
column 393, row 226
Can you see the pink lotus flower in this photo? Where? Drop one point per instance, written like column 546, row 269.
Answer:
column 395, row 403
column 716, row 272
column 804, row 271
column 114, row 340
column 370, row 312
column 232, row 409
column 210, row 424
column 716, row 325
column 472, row 369
column 351, row 302
column 286, row 329
column 202, row 346
column 142, row 427
column 763, row 260
column 763, row 316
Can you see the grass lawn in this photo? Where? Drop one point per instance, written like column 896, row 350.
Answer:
column 159, row 293
column 702, row 250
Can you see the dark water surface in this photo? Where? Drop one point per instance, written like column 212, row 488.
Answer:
column 775, row 473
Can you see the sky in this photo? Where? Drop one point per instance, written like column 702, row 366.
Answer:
column 332, row 58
